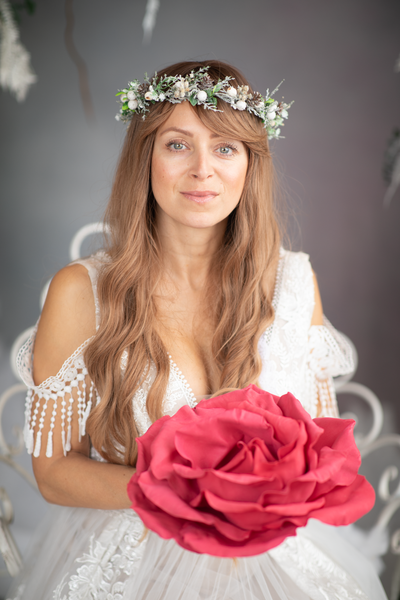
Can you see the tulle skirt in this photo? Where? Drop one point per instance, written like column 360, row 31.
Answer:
column 87, row 554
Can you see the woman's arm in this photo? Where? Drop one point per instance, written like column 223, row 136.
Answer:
column 67, row 321
column 317, row 318
column 329, row 356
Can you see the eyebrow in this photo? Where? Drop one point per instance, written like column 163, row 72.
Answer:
column 187, row 133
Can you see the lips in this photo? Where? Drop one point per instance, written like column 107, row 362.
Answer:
column 200, row 197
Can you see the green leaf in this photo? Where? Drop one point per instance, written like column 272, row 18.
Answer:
column 193, row 100
column 125, row 106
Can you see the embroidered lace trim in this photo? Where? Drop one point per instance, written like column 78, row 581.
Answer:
column 69, row 387
column 330, row 354
column 111, row 560
column 314, row 572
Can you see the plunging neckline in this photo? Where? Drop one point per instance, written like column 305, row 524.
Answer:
column 266, row 335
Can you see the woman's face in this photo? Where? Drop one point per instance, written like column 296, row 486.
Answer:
column 197, row 176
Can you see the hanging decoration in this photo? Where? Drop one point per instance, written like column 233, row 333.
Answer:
column 149, row 20
column 78, row 62
column 391, row 159
column 16, row 74
column 391, row 166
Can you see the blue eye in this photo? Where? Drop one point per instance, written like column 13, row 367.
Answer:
column 175, row 146
column 227, row 150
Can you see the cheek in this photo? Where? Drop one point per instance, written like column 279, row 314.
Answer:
column 237, row 176
column 158, row 173
column 164, row 175
column 159, row 178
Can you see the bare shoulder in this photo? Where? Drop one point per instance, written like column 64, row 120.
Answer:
column 317, row 318
column 68, row 319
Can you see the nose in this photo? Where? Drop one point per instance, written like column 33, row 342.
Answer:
column 201, row 167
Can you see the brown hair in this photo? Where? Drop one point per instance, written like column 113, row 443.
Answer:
column 244, row 269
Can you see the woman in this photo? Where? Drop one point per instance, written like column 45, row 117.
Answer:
column 193, row 275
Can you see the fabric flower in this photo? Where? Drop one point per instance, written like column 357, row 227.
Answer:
column 201, row 96
column 232, row 92
column 148, row 95
column 132, row 104
column 131, row 95
column 240, row 472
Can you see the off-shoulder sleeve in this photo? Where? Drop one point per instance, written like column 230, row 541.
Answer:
column 68, row 397
column 329, row 355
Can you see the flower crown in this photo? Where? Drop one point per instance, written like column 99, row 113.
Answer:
column 199, row 88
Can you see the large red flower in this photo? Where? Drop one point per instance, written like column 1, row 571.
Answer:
column 240, row 472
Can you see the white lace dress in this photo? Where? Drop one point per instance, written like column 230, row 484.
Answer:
column 90, row 554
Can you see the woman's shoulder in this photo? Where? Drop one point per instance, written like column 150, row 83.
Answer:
column 296, row 293
column 295, row 272
column 296, row 259
column 68, row 319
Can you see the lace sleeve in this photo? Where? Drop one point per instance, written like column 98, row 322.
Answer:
column 329, row 355
column 57, row 402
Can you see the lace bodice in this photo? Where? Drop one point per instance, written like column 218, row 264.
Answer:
column 296, row 357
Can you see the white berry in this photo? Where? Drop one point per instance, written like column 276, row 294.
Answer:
column 201, row 96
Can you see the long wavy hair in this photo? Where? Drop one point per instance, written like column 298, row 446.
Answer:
column 243, row 274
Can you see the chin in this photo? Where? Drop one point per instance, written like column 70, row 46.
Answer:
column 201, row 221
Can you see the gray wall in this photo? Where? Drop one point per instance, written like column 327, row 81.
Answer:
column 337, row 59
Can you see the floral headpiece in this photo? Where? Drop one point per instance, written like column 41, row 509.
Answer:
column 199, row 88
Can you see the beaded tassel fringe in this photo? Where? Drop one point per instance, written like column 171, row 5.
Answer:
column 73, row 397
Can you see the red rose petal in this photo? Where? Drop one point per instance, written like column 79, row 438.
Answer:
column 145, row 443
column 331, row 464
column 354, row 501
column 295, row 491
column 193, row 445
column 238, row 487
column 205, row 541
column 161, row 495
